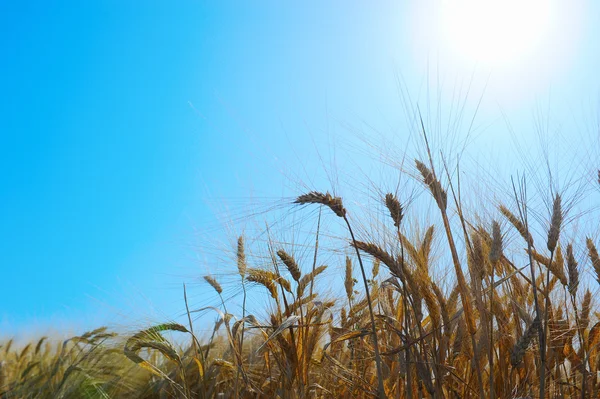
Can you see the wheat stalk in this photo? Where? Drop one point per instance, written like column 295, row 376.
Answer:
column 336, row 205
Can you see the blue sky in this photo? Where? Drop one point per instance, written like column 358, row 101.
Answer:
column 121, row 120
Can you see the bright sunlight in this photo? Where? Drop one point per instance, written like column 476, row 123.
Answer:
column 495, row 32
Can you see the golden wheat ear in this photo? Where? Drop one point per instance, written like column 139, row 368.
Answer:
column 214, row 283
column 381, row 255
column 439, row 194
column 556, row 266
column 290, row 264
column 265, row 279
column 555, row 223
column 517, row 224
column 241, row 257
column 307, row 279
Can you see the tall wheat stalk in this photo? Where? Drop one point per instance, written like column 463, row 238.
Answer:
column 336, row 205
column 439, row 194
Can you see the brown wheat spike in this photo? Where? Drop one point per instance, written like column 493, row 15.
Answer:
column 349, row 280
column 586, row 306
column 517, row 224
column 559, row 261
column 264, row 278
column 39, row 344
column 375, row 270
column 307, row 278
column 431, row 301
column 496, row 247
column 443, row 307
column 594, row 343
column 425, row 249
column 476, row 260
column 294, row 306
column 315, row 197
column 555, row 223
column 453, row 299
column 434, row 185
column 214, row 283
column 223, row 364
column 285, row 284
column 556, row 267
column 594, row 258
column 290, row 264
column 572, row 269
column 241, row 257
column 378, row 253
column 462, row 345
column 343, row 317
column 557, row 326
column 393, row 205
column 518, row 352
column 501, row 314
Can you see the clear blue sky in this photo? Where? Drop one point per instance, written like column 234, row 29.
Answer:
column 119, row 118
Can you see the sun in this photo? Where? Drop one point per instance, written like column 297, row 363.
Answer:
column 494, row 32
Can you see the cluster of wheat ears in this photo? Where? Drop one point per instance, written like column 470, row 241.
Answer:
column 507, row 326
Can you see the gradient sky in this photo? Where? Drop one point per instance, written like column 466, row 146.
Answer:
column 120, row 119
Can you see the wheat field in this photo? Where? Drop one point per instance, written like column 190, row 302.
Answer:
column 513, row 317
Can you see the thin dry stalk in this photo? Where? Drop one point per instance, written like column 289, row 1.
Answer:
column 573, row 285
column 494, row 256
column 242, row 266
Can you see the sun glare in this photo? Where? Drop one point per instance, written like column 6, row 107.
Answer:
column 494, row 32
